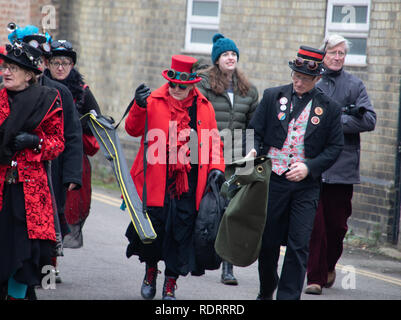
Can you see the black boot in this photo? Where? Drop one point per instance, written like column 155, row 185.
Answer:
column 148, row 289
column 31, row 294
column 3, row 291
column 264, row 297
column 170, row 284
column 227, row 276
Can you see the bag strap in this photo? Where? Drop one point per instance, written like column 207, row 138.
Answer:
column 145, row 164
column 126, row 112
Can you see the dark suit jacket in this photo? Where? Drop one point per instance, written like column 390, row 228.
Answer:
column 323, row 140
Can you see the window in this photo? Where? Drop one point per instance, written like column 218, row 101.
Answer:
column 350, row 18
column 203, row 17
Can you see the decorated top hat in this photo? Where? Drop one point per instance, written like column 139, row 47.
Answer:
column 39, row 41
column 308, row 61
column 181, row 70
column 23, row 55
column 30, row 35
column 63, row 48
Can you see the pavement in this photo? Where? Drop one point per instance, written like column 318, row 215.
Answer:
column 100, row 270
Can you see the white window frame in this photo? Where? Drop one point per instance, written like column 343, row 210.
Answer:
column 349, row 30
column 200, row 22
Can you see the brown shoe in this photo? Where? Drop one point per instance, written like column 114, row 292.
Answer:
column 331, row 277
column 313, row 289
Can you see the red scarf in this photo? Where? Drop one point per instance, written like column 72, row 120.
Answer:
column 179, row 162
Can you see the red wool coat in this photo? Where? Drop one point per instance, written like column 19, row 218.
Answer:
column 31, row 170
column 210, row 153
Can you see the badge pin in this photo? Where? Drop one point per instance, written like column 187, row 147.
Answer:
column 281, row 116
column 283, row 107
column 283, row 100
column 318, row 111
column 315, row 120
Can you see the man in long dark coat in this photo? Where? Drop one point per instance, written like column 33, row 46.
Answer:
column 299, row 128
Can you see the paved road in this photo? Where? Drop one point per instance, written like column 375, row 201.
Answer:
column 100, row 270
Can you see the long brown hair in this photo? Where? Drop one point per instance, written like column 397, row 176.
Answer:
column 219, row 83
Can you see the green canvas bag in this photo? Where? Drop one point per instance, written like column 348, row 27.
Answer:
column 241, row 229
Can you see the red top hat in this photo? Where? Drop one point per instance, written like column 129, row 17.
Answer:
column 181, row 70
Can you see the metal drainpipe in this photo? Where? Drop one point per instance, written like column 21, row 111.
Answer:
column 397, row 185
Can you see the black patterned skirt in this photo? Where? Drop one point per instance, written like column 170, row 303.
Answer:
column 20, row 256
column 174, row 225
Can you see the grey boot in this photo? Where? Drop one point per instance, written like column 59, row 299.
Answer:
column 170, row 284
column 148, row 289
column 227, row 276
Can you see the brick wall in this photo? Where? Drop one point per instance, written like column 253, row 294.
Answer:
column 123, row 43
column 23, row 12
column 375, row 200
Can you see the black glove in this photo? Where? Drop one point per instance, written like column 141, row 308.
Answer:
column 355, row 111
column 25, row 140
column 141, row 94
column 217, row 176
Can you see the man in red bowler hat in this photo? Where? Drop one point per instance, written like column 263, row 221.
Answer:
column 299, row 128
column 175, row 180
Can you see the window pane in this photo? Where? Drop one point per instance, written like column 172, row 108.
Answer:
column 358, row 46
column 205, row 8
column 350, row 14
column 202, row 35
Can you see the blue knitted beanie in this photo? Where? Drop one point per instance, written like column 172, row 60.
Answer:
column 222, row 44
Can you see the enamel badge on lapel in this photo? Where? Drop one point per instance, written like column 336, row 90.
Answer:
column 281, row 116
column 283, row 100
column 283, row 107
column 318, row 111
column 315, row 120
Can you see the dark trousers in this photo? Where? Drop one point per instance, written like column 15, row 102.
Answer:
column 290, row 215
column 174, row 225
column 330, row 228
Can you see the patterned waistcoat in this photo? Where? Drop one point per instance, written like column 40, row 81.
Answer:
column 293, row 149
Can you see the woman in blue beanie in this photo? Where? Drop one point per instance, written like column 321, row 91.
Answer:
column 234, row 100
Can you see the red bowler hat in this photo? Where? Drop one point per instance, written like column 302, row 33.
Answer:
column 181, row 70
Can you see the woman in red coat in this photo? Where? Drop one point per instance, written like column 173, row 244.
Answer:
column 175, row 175
column 31, row 133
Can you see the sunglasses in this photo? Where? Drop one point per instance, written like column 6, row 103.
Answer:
column 183, row 76
column 61, row 45
column 311, row 65
column 173, row 85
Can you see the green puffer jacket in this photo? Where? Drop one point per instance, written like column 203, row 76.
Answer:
column 230, row 116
